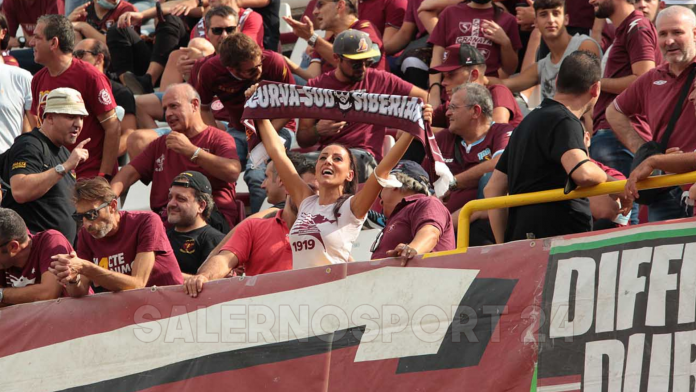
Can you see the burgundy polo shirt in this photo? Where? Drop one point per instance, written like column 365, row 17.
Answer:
column 409, row 216
column 651, row 99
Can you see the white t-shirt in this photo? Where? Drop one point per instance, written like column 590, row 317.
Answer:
column 15, row 98
column 318, row 238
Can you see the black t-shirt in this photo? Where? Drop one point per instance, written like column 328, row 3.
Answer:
column 271, row 24
column 532, row 162
column 54, row 209
column 124, row 97
column 192, row 248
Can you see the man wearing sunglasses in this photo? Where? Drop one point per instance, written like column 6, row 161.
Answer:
column 417, row 222
column 42, row 171
column 240, row 64
column 354, row 53
column 25, row 261
column 117, row 250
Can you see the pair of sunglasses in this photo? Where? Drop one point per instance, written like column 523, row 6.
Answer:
column 90, row 215
column 219, row 30
column 358, row 64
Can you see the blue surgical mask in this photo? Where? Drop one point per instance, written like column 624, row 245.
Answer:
column 108, row 5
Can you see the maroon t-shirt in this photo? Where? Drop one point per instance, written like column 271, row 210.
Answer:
column 580, row 13
column 412, row 16
column 161, row 165
column 461, row 24
column 251, row 24
column 409, row 216
column 96, row 92
column 218, row 109
column 44, row 245
column 636, row 40
column 382, row 13
column 138, row 232
column 262, row 245
column 110, row 18
column 367, row 27
column 26, row 13
column 360, row 135
column 487, row 148
column 214, row 79
column 652, row 99
column 502, row 97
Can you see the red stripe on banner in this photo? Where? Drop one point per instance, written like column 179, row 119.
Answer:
column 543, row 382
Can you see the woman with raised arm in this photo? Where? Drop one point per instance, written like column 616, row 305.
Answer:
column 328, row 223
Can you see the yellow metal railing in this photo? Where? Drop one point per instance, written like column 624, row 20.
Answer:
column 557, row 195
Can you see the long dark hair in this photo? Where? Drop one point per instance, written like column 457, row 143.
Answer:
column 349, row 187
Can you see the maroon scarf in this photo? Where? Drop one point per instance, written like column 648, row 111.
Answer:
column 277, row 100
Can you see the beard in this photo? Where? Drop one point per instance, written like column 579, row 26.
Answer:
column 103, row 231
column 181, row 219
column 605, row 10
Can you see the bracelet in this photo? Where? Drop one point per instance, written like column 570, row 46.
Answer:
column 76, row 281
column 195, row 154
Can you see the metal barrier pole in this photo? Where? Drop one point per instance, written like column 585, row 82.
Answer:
column 557, row 195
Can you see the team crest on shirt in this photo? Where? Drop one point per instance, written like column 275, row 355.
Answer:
column 109, row 23
column 465, row 27
column 159, row 163
column 306, row 224
column 189, row 247
column 484, row 155
column 484, row 52
column 216, row 105
column 104, row 97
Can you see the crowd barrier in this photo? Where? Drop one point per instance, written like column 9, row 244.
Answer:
column 606, row 311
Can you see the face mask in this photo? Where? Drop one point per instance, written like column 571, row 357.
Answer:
column 481, row 1
column 108, row 5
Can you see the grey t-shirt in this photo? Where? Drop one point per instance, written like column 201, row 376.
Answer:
column 548, row 70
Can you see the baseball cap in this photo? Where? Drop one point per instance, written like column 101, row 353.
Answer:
column 65, row 101
column 196, row 180
column 411, row 170
column 355, row 45
column 457, row 56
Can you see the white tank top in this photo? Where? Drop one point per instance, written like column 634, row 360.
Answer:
column 318, row 238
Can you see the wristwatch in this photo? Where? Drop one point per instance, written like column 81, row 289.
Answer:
column 22, row 42
column 60, row 169
column 453, row 185
column 313, row 40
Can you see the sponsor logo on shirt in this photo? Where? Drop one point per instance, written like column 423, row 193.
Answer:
column 189, row 247
column 484, row 155
column 159, row 164
column 633, row 24
column 445, row 55
column 116, row 263
column 19, row 165
column 104, row 97
column 448, row 160
column 659, row 82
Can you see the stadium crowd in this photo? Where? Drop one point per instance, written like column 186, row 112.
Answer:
column 98, row 95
